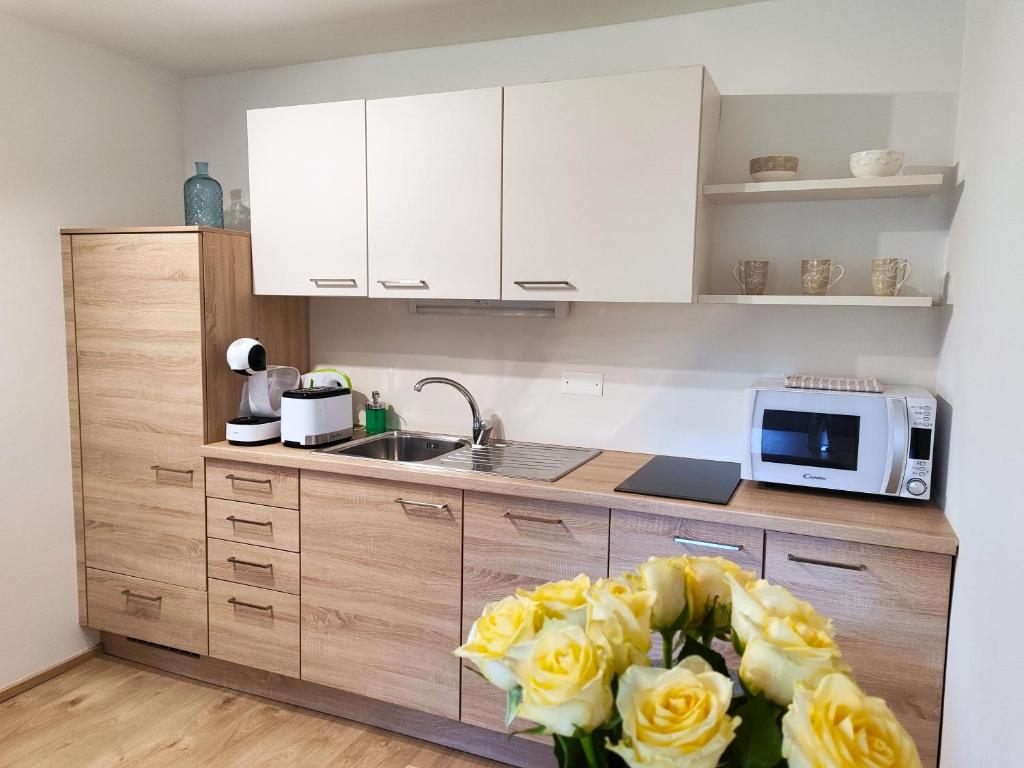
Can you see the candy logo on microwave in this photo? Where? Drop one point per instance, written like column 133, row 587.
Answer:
column 814, row 477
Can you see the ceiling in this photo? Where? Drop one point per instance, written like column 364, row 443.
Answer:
column 205, row 37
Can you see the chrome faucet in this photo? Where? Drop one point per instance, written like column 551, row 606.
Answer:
column 481, row 429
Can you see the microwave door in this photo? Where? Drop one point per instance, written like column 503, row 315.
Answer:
column 898, row 443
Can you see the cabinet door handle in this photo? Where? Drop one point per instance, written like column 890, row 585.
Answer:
column 235, row 561
column 240, row 479
column 425, row 504
column 826, row 563
column 532, row 519
column 403, row 283
column 234, row 519
column 136, row 595
column 544, row 285
column 334, row 282
column 233, row 601
column 158, row 468
column 708, row 544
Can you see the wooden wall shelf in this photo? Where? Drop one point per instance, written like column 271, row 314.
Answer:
column 825, row 189
column 820, row 301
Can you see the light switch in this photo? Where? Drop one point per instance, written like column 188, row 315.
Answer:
column 582, row 383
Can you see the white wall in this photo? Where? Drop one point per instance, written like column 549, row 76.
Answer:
column 826, row 76
column 980, row 375
column 87, row 138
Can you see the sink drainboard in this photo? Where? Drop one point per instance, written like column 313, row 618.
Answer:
column 529, row 461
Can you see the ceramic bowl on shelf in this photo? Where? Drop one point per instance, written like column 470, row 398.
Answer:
column 773, row 167
column 876, row 162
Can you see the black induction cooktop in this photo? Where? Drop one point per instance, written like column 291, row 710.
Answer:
column 675, row 477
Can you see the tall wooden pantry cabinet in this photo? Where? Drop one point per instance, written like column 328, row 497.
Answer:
column 149, row 314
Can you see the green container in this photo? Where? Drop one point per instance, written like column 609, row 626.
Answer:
column 376, row 416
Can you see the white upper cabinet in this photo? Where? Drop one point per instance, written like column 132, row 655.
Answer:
column 307, row 189
column 434, row 195
column 601, row 186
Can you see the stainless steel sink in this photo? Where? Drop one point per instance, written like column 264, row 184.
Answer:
column 404, row 447
column 530, row 461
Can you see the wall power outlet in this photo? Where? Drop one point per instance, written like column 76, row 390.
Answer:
column 582, row 383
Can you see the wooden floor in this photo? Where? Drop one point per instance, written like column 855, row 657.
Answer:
column 108, row 712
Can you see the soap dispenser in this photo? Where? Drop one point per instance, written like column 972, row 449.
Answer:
column 376, row 415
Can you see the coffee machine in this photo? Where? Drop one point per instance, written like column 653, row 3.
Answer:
column 259, row 412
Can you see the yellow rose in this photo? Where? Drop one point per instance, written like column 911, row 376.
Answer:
column 707, row 589
column 559, row 599
column 666, row 578
column 755, row 602
column 675, row 718
column 837, row 726
column 566, row 679
column 785, row 642
column 502, row 625
column 622, row 615
column 787, row 653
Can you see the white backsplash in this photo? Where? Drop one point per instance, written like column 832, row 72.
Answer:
column 673, row 374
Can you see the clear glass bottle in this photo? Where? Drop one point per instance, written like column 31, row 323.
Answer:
column 237, row 215
column 204, row 200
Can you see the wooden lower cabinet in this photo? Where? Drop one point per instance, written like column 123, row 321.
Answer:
column 148, row 610
column 636, row 536
column 256, row 566
column 381, row 589
column 890, row 607
column 512, row 542
column 255, row 627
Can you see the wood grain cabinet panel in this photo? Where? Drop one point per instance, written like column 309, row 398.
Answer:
column 253, row 524
column 255, row 627
column 636, row 536
column 254, row 483
column 257, row 566
column 512, row 542
column 138, row 323
column 148, row 610
column 381, row 589
column 890, row 607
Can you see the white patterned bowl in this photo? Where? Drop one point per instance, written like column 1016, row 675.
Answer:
column 876, row 162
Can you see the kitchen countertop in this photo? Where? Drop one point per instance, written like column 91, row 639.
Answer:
column 903, row 523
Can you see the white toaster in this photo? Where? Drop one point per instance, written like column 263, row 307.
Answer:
column 312, row 417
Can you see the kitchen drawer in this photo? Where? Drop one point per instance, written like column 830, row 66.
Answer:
column 255, row 483
column 511, row 542
column 147, row 610
column 890, row 607
column 253, row 524
column 382, row 589
column 255, row 627
column 257, row 566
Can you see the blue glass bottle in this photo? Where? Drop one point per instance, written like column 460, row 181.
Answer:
column 204, row 200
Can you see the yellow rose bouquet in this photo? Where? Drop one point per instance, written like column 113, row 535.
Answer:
column 574, row 657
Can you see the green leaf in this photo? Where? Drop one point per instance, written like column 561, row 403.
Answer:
column 758, row 742
column 569, row 752
column 537, row 729
column 513, row 699
column 693, row 647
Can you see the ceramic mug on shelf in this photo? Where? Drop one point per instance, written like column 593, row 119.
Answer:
column 888, row 276
column 752, row 277
column 816, row 276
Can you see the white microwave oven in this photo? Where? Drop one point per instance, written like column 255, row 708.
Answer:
column 845, row 441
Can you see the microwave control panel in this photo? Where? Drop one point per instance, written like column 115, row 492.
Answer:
column 917, row 476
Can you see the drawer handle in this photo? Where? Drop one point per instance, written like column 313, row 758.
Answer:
column 129, row 593
column 403, row 283
column 233, row 601
column 157, row 468
column 334, row 282
column 240, row 479
column 234, row 519
column 425, row 504
column 532, row 519
column 708, row 544
column 827, row 563
column 235, row 561
column 544, row 285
